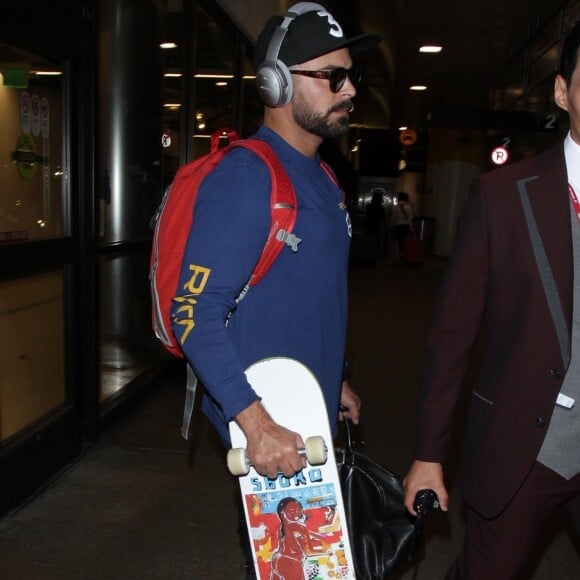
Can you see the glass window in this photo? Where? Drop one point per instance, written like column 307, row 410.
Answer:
column 32, row 193
column 31, row 163
column 32, row 375
column 214, row 76
column 127, row 344
column 252, row 108
column 174, row 94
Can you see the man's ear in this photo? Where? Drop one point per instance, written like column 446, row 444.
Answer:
column 561, row 92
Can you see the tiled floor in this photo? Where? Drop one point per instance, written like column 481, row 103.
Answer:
column 144, row 504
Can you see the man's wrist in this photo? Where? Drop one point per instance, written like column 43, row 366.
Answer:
column 253, row 419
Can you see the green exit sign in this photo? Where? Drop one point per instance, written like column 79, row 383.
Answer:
column 16, row 78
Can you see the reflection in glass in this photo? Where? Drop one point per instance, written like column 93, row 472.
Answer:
column 127, row 345
column 214, row 82
column 32, row 377
column 31, row 163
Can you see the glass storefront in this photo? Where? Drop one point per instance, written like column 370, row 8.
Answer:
column 100, row 103
column 32, row 208
column 183, row 82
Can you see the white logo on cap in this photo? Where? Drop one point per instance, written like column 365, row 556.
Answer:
column 335, row 29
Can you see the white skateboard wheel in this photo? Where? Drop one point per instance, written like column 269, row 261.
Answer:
column 237, row 462
column 316, row 450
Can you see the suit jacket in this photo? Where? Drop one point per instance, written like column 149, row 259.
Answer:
column 492, row 282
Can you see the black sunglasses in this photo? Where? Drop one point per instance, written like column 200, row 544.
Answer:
column 336, row 76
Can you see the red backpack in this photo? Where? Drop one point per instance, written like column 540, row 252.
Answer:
column 174, row 219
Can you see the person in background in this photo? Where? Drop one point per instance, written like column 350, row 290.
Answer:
column 516, row 269
column 375, row 220
column 402, row 222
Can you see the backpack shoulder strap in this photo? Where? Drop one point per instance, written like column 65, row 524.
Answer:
column 332, row 176
column 329, row 171
column 283, row 206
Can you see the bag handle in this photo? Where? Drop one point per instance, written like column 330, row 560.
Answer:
column 352, row 441
column 351, row 435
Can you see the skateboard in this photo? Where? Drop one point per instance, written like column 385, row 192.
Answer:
column 297, row 525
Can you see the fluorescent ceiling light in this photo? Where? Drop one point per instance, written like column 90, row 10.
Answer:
column 173, row 75
column 46, row 73
column 212, row 76
column 418, row 87
column 431, row 48
column 166, row 45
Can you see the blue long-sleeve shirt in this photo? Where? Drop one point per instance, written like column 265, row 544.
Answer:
column 298, row 310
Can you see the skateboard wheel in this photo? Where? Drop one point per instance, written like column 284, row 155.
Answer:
column 237, row 462
column 316, row 450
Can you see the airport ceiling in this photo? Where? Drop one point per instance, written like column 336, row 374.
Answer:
column 479, row 39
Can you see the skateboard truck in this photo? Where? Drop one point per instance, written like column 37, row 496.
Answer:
column 315, row 451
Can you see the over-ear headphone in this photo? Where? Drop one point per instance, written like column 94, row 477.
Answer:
column 273, row 77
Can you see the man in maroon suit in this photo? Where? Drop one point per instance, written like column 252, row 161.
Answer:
column 515, row 270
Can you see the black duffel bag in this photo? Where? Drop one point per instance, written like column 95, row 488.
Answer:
column 382, row 533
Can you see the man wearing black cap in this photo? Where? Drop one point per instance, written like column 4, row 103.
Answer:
column 307, row 81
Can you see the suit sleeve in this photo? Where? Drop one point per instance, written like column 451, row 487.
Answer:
column 455, row 328
column 231, row 223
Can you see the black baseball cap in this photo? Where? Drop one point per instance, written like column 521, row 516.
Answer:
column 309, row 36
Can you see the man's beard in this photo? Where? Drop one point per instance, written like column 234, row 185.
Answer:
column 318, row 123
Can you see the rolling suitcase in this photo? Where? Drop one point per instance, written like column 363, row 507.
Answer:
column 414, row 251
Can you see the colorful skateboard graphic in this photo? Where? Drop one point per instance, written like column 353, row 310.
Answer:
column 297, row 525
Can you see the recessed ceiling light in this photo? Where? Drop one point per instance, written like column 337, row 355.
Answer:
column 431, row 48
column 166, row 45
column 418, row 87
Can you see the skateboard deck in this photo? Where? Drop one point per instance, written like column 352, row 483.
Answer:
column 297, row 525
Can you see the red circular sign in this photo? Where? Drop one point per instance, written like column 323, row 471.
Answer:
column 408, row 137
column 500, row 155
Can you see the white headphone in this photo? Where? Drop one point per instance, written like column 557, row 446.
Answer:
column 273, row 77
